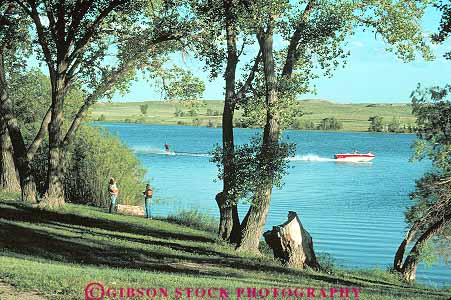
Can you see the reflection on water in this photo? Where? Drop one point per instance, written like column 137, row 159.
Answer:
column 353, row 211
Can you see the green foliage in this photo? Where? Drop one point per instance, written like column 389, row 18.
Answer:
column 101, row 118
column 253, row 169
column 194, row 218
column 179, row 84
column 432, row 108
column 15, row 38
column 144, row 108
column 428, row 254
column 30, row 91
column 394, row 125
column 327, row 262
column 254, row 112
column 301, row 124
column 376, row 124
column 94, row 158
column 445, row 24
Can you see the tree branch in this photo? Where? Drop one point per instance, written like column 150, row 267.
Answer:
column 292, row 55
column 243, row 90
column 34, row 146
column 80, row 9
column 41, row 34
column 83, row 41
column 108, row 83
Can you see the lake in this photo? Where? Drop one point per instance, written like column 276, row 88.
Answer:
column 355, row 212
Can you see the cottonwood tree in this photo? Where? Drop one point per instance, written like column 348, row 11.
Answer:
column 15, row 46
column 98, row 45
column 430, row 217
column 8, row 178
column 222, row 44
column 312, row 35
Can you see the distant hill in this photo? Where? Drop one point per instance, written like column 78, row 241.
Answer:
column 354, row 117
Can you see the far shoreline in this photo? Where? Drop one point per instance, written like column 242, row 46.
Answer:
column 252, row 128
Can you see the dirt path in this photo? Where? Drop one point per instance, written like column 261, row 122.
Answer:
column 9, row 292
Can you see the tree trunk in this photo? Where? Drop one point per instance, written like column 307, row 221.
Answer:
column 409, row 268
column 54, row 197
column 399, row 256
column 253, row 223
column 225, row 217
column 229, row 225
column 21, row 159
column 9, row 180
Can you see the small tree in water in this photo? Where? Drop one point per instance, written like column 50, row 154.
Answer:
column 430, row 216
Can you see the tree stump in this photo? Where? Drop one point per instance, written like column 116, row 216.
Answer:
column 292, row 244
column 130, row 210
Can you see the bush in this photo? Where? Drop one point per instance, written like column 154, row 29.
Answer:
column 94, row 156
column 327, row 263
column 101, row 118
column 195, row 219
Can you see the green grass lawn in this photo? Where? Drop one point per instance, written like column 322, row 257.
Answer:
column 57, row 253
column 353, row 116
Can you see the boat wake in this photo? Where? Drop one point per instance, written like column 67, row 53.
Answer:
column 156, row 151
column 306, row 158
column 311, row 157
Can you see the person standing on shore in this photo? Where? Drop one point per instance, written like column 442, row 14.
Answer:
column 148, row 193
column 114, row 192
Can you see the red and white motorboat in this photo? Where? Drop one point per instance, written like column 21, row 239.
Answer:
column 355, row 157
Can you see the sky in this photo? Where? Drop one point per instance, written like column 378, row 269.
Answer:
column 372, row 75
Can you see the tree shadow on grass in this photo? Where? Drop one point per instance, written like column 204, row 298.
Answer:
column 80, row 245
column 23, row 213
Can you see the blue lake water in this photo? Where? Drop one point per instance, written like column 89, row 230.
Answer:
column 355, row 212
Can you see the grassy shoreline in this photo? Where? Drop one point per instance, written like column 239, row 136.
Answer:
column 354, row 117
column 57, row 253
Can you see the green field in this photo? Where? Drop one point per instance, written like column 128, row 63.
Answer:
column 354, row 117
column 55, row 254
